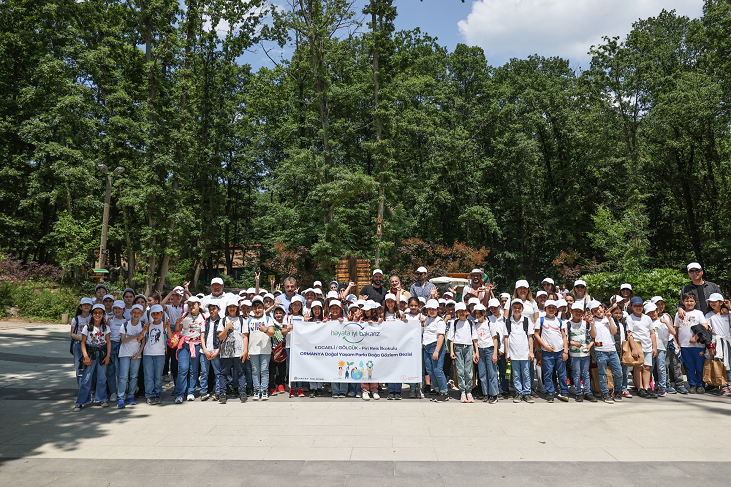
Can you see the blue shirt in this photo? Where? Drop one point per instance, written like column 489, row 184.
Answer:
column 422, row 291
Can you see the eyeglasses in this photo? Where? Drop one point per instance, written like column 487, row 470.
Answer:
column 694, row 271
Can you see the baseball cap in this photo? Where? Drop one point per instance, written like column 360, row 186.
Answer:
column 137, row 306
column 624, row 286
column 390, row 296
column 476, row 271
column 98, row 306
column 577, row 306
column 694, row 265
column 580, row 282
column 156, row 308
column 479, row 307
column 595, row 304
column 715, row 297
column 521, row 283
column 316, row 283
column 650, row 307
column 550, row 302
column 217, row 280
column 516, row 301
column 505, row 295
column 450, row 302
column 493, row 303
column 335, row 302
column 657, row 299
column 86, row 301
column 460, row 306
column 100, row 286
column 332, row 295
column 421, row 269
column 541, row 293
column 548, row 280
column 257, row 299
column 432, row 304
column 473, row 301
column 108, row 296
column 561, row 302
column 316, row 303
column 635, row 300
column 194, row 299
column 377, row 271
column 118, row 304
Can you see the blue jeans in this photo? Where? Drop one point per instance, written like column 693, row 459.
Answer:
column 127, row 375
column 580, row 372
column 205, row 365
column 693, row 360
column 662, row 371
column 187, row 371
column 249, row 374
column 153, row 365
column 337, row 387
column 604, row 360
column 435, row 368
column 521, row 376
column 487, row 371
column 625, row 372
column 112, row 368
column 228, row 364
column 76, row 348
column 395, row 388
column 553, row 360
column 294, row 384
column 84, row 396
column 502, row 367
column 260, row 371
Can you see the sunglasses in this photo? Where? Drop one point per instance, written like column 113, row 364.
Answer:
column 694, row 271
column 580, row 287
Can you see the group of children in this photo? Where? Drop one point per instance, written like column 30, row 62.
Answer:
column 237, row 345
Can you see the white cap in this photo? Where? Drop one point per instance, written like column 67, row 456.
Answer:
column 715, row 297
column 216, row 280
column 194, row 299
column 316, row 303
column 493, row 303
column 551, row 302
column 230, row 302
column 476, row 271
column 318, row 291
column 316, row 283
column 479, row 307
column 361, row 302
column 108, row 296
column 245, row 302
column 156, row 308
column 650, row 307
column 422, row 269
column 423, row 300
column 580, row 283
column 335, row 302
column 98, row 306
column 505, row 295
column 374, row 304
column 353, row 306
column 618, row 297
column 118, row 304
column 137, row 306
column 577, row 305
column 594, row 304
column 377, row 271
column 403, row 299
column 561, row 302
column 332, row 295
column 277, row 292
column 448, row 294
column 257, row 299
column 541, row 293
column 521, row 283
column 270, row 295
column 262, row 292
column 694, row 265
column 442, row 301
column 548, row 280
column 626, row 285
column 390, row 296
column 473, row 301
column 516, row 301
column 460, row 306
column 432, row 304
column 243, row 292
column 86, row 301
column 656, row 299
column 216, row 302
column 351, row 298
column 251, row 290
column 450, row 301
column 199, row 295
column 308, row 290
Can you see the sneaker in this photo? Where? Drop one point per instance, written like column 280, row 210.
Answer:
column 350, row 394
column 626, row 394
column 243, row 397
column 293, row 392
column 158, row 400
column 492, row 399
column 280, row 389
column 105, row 404
column 442, row 397
column 151, row 401
column 120, row 404
column 527, row 398
column 376, row 396
column 312, row 393
column 726, row 391
column 683, row 390
column 342, row 396
column 517, row 398
column 463, row 397
column 421, row 395
column 670, row 390
column 397, row 396
column 608, row 399
column 216, row 396
column 485, row 398
column 590, row 397
column 205, row 397
column 256, row 396
column 642, row 393
column 541, row 389
column 470, row 398
column 272, row 392
column 549, row 398
column 366, row 396
column 562, row 398
column 662, row 393
column 450, row 384
column 300, row 392
column 691, row 389
column 506, row 395
column 357, row 394
column 412, row 394
column 319, row 393
column 651, row 394
column 264, row 396
column 222, row 399
column 131, row 401
column 579, row 398
column 113, row 397
column 390, row 396
column 191, row 397
column 77, row 408
column 698, row 390
column 617, row 396
column 179, row 400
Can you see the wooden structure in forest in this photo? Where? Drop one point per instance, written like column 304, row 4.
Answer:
column 352, row 269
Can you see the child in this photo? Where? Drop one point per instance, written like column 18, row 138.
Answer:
column 692, row 352
column 108, row 302
column 339, row 389
column 487, row 346
column 412, row 314
column 153, row 356
column 115, row 324
column 128, row 296
column 617, row 315
column 132, row 340
column 519, row 347
column 233, row 333
column 497, row 325
column 261, row 331
column 189, row 325
column 663, row 329
column 83, row 315
column 580, row 343
column 434, row 351
column 95, row 348
column 640, row 329
column 675, row 382
column 602, row 331
column 463, row 349
column 296, row 388
column 552, row 338
column 721, row 327
column 278, row 371
column 316, row 315
column 210, row 350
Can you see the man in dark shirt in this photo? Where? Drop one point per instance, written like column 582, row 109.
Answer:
column 375, row 291
column 702, row 289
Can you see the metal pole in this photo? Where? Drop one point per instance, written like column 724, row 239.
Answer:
column 105, row 223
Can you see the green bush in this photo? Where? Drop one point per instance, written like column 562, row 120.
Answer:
column 38, row 300
column 645, row 284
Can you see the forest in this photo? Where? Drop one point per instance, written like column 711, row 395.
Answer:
column 360, row 140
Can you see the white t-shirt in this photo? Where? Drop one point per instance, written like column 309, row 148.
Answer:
column 156, row 343
column 603, row 335
column 497, row 326
column 208, row 299
column 692, row 318
column 662, row 334
column 78, row 323
column 130, row 348
column 640, row 327
column 433, row 327
column 192, row 326
column 529, row 309
column 292, row 321
column 719, row 323
column 114, row 326
column 211, row 331
column 259, row 342
column 95, row 335
column 175, row 312
column 578, row 332
column 518, row 348
column 461, row 332
column 232, row 344
column 485, row 334
column 551, row 332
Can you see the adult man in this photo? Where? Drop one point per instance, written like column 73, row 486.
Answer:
column 422, row 288
column 395, row 282
column 476, row 287
column 290, row 291
column 701, row 288
column 375, row 290
column 217, row 294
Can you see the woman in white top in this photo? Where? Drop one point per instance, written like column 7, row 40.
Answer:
column 434, row 349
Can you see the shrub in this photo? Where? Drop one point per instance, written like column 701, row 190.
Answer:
column 645, row 284
column 38, row 300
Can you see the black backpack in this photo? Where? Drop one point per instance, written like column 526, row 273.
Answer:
column 510, row 320
column 454, row 321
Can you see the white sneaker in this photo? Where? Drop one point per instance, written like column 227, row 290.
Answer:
column 376, row 395
column 113, row 397
column 191, row 397
column 264, row 396
column 463, row 398
column 366, row 396
column 421, row 395
column 256, row 396
column 470, row 398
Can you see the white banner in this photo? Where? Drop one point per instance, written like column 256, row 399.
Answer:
column 347, row 351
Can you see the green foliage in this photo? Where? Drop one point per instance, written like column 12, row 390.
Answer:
column 646, row 284
column 622, row 240
column 39, row 299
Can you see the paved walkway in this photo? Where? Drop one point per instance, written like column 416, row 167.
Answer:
column 410, row 439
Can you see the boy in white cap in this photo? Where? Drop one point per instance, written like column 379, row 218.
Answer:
column 551, row 336
column 497, row 325
column 580, row 344
column 115, row 324
column 664, row 329
column 602, row 331
column 519, row 347
column 487, row 342
column 463, row 349
column 641, row 330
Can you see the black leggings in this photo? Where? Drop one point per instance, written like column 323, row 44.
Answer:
column 277, row 373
